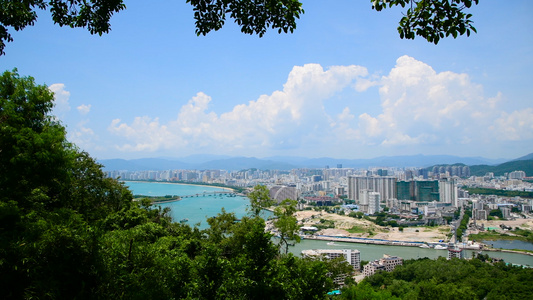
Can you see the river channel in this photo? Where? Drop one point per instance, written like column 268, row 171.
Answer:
column 202, row 205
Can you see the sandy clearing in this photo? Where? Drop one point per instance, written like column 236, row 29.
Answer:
column 522, row 223
column 369, row 229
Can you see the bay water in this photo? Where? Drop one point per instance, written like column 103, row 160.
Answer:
column 198, row 205
column 203, row 205
column 510, row 244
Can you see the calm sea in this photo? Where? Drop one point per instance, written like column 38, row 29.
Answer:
column 200, row 207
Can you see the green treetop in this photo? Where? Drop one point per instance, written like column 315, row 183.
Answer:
column 430, row 19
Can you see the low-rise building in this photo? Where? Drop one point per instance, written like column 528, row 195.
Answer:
column 455, row 252
column 352, row 257
column 387, row 263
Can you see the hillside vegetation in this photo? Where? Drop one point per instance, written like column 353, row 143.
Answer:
column 446, row 279
column 501, row 169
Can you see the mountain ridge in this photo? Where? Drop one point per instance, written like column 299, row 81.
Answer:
column 203, row 162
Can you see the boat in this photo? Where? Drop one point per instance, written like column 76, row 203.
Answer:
column 425, row 246
column 440, row 247
column 332, row 243
column 184, row 220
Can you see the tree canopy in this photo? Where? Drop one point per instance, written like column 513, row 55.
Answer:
column 478, row 278
column 68, row 232
column 430, row 19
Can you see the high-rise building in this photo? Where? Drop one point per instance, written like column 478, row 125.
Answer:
column 382, row 172
column 405, row 190
column 408, row 174
column 517, row 175
column 373, row 203
column 369, row 201
column 385, row 186
column 316, row 178
column 448, row 191
column 421, row 190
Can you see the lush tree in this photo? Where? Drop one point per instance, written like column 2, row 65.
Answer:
column 94, row 15
column 445, row 279
column 34, row 149
column 39, row 169
column 430, row 19
column 496, row 213
column 68, row 232
column 254, row 16
column 259, row 200
column 286, row 223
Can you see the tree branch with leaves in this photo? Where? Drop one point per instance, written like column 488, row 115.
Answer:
column 432, row 19
column 286, row 223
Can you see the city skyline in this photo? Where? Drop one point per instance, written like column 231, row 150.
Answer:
column 344, row 85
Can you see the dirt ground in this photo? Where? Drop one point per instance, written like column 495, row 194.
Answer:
column 522, row 223
column 368, row 229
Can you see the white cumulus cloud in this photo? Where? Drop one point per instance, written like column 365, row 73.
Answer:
column 414, row 106
column 84, row 109
column 61, row 99
column 514, row 126
column 421, row 106
column 283, row 119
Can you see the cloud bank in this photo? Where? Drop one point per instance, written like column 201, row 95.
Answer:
column 418, row 109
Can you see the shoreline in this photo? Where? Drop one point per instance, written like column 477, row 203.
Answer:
column 348, row 239
column 507, row 251
column 383, row 242
column 180, row 183
column 165, row 201
column 176, row 183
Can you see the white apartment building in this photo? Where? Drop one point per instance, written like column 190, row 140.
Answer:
column 448, row 191
column 455, row 252
column 384, row 185
column 517, row 175
column 387, row 263
column 369, row 201
column 352, row 256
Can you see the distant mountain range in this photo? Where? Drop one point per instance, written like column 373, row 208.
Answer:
column 203, row 162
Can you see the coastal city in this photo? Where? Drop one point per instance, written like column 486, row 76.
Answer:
column 411, row 207
column 253, row 149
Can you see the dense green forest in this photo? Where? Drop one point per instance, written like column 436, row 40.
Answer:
column 68, row 232
column 455, row 279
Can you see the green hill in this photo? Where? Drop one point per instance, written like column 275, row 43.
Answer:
column 501, row 169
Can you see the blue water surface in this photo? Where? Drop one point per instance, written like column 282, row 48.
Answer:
column 194, row 209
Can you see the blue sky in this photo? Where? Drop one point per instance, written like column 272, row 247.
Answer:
column 343, row 85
